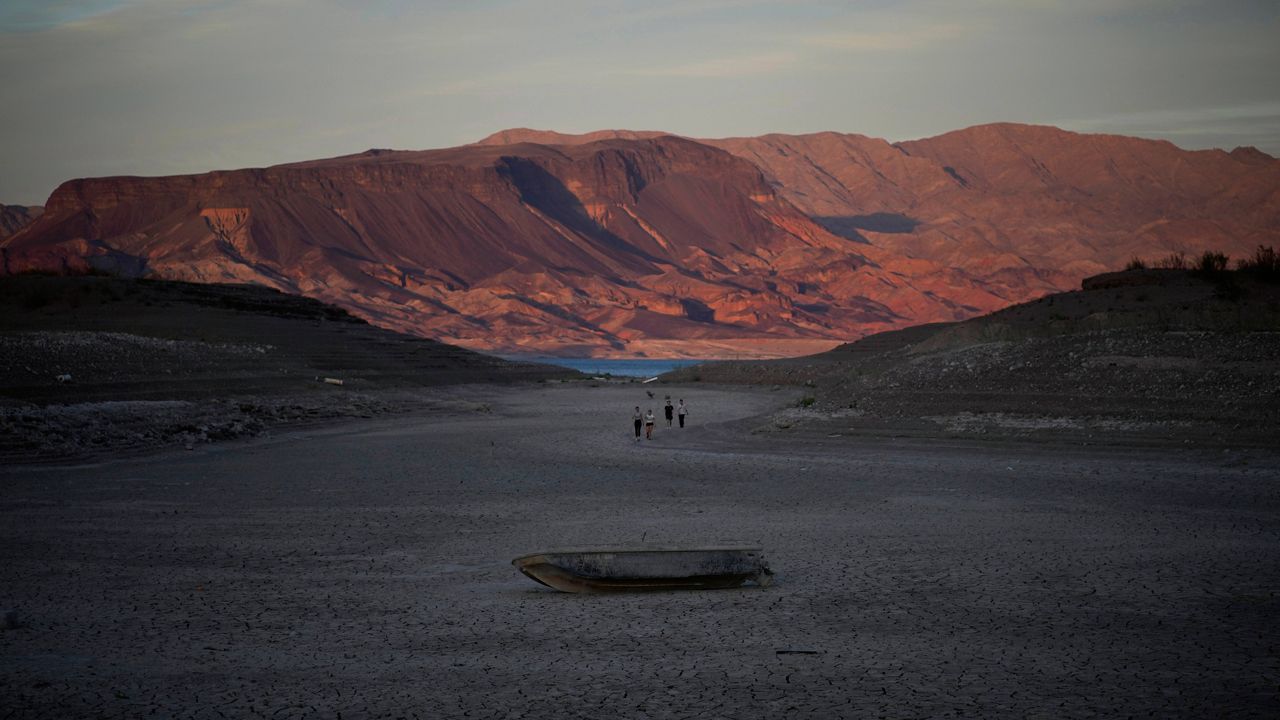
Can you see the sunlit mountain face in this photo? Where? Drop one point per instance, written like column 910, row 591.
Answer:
column 639, row 243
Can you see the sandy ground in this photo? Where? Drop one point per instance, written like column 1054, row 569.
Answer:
column 363, row 570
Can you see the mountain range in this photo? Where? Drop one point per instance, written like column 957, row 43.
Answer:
column 644, row 243
column 16, row 217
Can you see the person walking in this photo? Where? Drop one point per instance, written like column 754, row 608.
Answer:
column 638, row 418
column 682, row 411
column 668, row 410
column 648, row 424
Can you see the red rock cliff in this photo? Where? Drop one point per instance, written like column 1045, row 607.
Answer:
column 626, row 243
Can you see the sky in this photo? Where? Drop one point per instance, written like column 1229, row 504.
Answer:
column 158, row 87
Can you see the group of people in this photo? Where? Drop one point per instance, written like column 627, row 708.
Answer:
column 647, row 419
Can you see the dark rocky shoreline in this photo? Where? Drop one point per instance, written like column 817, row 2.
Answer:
column 1149, row 358
column 100, row 365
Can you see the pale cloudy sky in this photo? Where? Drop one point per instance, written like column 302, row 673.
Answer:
column 150, row 87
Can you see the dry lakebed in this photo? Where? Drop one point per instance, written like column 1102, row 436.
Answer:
column 363, row 570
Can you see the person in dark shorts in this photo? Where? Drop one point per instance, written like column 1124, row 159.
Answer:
column 670, row 411
column 648, row 424
column 638, row 418
column 681, row 411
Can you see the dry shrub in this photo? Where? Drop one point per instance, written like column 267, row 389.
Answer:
column 1211, row 261
column 1173, row 261
column 1264, row 261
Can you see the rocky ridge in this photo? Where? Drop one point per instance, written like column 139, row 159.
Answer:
column 660, row 246
column 1014, row 210
column 637, row 243
column 1148, row 356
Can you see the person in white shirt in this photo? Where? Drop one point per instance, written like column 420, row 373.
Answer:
column 648, row 424
column 681, row 411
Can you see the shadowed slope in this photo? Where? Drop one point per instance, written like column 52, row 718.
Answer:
column 1150, row 357
column 93, row 365
column 15, row 217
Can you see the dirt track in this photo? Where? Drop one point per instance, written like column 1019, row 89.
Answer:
column 363, row 569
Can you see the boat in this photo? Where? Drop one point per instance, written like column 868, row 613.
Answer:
column 646, row 567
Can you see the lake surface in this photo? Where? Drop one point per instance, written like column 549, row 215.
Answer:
column 643, row 368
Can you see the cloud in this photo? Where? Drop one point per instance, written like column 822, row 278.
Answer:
column 888, row 40
column 1194, row 127
column 18, row 16
column 724, row 67
column 682, row 10
column 1184, row 116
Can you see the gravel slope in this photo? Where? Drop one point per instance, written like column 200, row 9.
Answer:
column 1154, row 358
column 95, row 366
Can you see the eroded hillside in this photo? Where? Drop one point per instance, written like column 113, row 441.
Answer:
column 1146, row 356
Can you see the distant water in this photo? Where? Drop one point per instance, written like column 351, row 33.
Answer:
column 646, row 368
